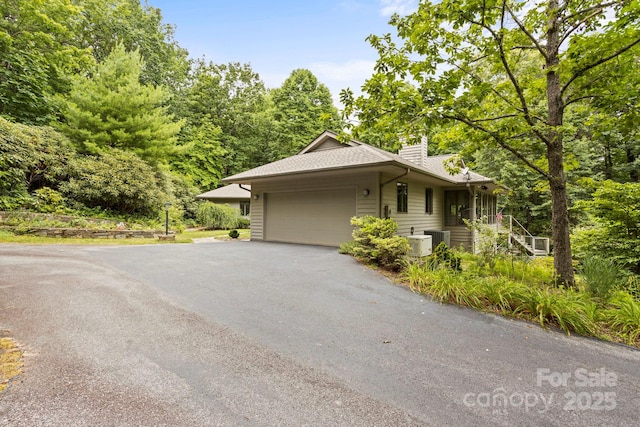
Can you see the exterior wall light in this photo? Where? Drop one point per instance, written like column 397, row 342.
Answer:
column 366, row 192
column 256, row 196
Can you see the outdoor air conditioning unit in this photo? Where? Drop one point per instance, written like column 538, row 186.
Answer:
column 439, row 236
column 419, row 246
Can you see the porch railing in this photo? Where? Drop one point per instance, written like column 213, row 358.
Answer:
column 519, row 235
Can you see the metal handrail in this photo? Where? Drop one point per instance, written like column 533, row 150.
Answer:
column 518, row 233
column 512, row 220
column 528, row 237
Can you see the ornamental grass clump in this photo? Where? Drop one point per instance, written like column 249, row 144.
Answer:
column 623, row 316
column 501, row 294
column 600, row 276
column 570, row 310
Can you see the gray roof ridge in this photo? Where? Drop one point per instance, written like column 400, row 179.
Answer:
column 439, row 155
column 382, row 154
column 389, row 156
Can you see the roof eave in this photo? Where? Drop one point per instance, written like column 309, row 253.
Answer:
column 248, row 180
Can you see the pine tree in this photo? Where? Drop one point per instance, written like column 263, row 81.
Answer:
column 112, row 109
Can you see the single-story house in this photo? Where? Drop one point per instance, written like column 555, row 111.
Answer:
column 234, row 195
column 310, row 197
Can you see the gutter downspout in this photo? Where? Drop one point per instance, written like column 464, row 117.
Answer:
column 385, row 183
column 244, row 188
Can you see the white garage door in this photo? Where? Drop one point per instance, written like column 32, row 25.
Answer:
column 312, row 217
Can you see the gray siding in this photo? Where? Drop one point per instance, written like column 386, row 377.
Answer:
column 365, row 205
column 416, row 216
column 257, row 215
column 460, row 236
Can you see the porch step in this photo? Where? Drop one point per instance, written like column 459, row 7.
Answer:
column 521, row 240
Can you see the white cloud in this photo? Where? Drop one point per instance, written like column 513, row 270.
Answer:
column 338, row 76
column 345, row 72
column 401, row 7
column 349, row 6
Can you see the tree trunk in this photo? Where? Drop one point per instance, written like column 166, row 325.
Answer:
column 562, row 259
column 631, row 159
column 608, row 162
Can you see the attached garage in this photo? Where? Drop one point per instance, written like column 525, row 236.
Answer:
column 309, row 198
column 317, row 217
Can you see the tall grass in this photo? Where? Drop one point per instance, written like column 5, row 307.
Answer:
column 569, row 310
column 503, row 295
column 601, row 277
column 623, row 315
column 533, row 272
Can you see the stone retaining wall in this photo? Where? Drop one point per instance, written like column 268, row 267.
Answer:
column 81, row 233
column 36, row 215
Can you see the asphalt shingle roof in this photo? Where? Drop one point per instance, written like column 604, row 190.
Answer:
column 231, row 191
column 356, row 154
column 336, row 158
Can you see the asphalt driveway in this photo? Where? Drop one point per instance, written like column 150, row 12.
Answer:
column 248, row 333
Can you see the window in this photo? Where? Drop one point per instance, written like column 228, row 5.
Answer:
column 486, row 208
column 244, row 208
column 428, row 200
column 403, row 197
column 456, row 207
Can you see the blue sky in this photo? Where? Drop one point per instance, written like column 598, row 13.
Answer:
column 278, row 36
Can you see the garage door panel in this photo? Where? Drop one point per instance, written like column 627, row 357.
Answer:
column 315, row 217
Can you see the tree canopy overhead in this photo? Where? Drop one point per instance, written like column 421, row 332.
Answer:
column 507, row 72
column 38, row 53
column 303, row 109
column 138, row 26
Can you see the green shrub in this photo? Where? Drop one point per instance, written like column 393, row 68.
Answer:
column 346, row 248
column 374, row 241
column 116, row 180
column 217, row 217
column 615, row 213
column 632, row 286
column 10, row 203
column 244, row 223
column 389, row 252
column 601, row 277
column 442, row 256
column 234, row 234
column 48, row 200
column 31, row 157
column 181, row 193
column 530, row 271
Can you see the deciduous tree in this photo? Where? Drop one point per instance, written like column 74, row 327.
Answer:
column 303, row 110
column 543, row 58
column 38, row 52
column 138, row 26
column 233, row 98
